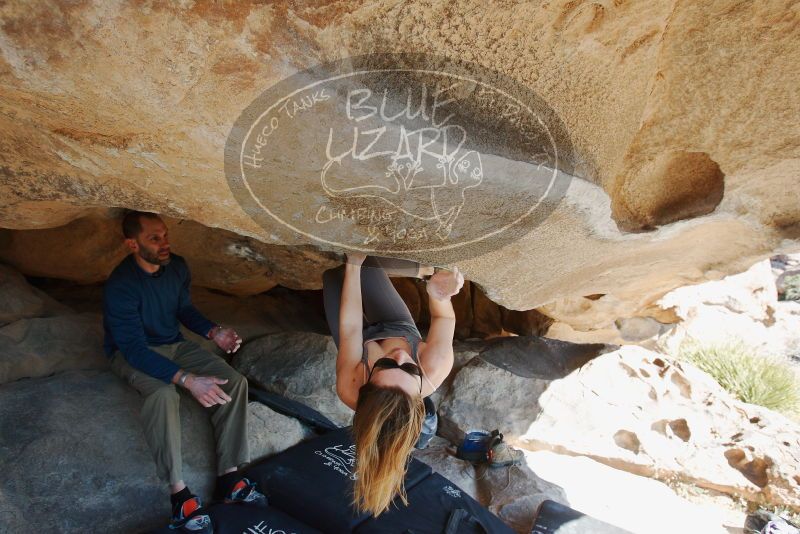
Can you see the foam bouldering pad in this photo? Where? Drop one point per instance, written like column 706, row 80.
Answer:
column 248, row 519
column 436, row 506
column 556, row 518
column 313, row 481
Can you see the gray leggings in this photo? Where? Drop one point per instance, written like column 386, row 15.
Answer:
column 379, row 298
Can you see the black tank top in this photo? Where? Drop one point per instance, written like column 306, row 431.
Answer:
column 383, row 330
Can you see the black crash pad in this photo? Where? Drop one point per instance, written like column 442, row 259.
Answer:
column 248, row 519
column 436, row 506
column 313, row 481
column 555, row 518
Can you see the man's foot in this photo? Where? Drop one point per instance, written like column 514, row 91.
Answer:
column 246, row 492
column 182, row 517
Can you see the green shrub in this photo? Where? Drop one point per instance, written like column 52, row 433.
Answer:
column 746, row 375
column 791, row 286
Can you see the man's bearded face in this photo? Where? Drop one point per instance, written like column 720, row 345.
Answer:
column 153, row 241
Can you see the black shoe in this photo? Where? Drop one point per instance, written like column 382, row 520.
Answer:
column 246, row 492
column 183, row 519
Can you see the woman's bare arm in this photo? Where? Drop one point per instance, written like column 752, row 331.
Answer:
column 437, row 358
column 348, row 380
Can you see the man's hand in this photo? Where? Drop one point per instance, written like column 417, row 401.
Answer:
column 206, row 390
column 226, row 338
column 445, row 284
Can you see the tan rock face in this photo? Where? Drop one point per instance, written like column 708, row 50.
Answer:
column 21, row 301
column 636, row 411
column 46, row 345
column 684, row 425
column 676, row 185
column 514, row 495
column 298, row 365
column 739, row 309
column 55, row 437
column 683, row 119
column 87, row 249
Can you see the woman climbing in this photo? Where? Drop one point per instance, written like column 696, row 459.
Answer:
column 384, row 370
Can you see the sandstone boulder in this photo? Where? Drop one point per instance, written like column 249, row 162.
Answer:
column 98, row 115
column 269, row 432
column 43, row 346
column 512, row 493
column 414, row 294
column 606, row 318
column 463, row 352
column 241, row 265
column 638, row 504
column 21, row 300
column 73, row 448
column 525, row 323
column 439, row 454
column 87, row 249
column 501, row 388
column 751, row 293
column 487, row 318
column 463, row 308
column 742, row 307
column 277, row 310
column 298, row 365
column 411, row 295
column 634, row 410
column 302, row 365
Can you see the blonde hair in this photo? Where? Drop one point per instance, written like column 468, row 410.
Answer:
column 386, row 427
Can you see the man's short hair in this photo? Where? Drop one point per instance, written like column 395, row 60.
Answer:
column 131, row 223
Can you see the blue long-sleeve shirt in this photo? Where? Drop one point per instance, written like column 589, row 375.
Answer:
column 141, row 309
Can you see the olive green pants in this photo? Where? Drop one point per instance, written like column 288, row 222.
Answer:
column 160, row 409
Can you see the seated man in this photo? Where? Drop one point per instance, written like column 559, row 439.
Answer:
column 145, row 297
